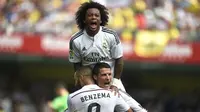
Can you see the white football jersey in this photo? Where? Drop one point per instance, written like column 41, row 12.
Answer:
column 92, row 98
column 105, row 46
column 135, row 106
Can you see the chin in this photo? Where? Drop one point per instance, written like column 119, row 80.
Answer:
column 93, row 29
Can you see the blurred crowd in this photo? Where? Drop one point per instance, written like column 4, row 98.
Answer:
column 20, row 95
column 164, row 101
column 166, row 19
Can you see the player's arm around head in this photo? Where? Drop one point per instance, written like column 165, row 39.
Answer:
column 116, row 54
column 119, row 64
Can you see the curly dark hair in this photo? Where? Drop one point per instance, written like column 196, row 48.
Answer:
column 80, row 14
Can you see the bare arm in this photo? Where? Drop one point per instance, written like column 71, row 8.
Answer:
column 129, row 110
column 119, row 64
column 77, row 66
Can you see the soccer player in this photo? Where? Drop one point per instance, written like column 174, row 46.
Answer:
column 102, row 76
column 95, row 42
column 92, row 98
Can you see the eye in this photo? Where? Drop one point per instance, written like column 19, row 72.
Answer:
column 97, row 15
column 106, row 74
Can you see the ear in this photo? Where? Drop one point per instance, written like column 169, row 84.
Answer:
column 95, row 77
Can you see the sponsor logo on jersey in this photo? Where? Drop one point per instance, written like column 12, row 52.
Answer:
column 95, row 57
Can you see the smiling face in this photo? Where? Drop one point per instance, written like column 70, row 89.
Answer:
column 104, row 78
column 92, row 21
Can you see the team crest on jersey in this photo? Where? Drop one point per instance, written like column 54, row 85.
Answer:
column 71, row 54
column 105, row 46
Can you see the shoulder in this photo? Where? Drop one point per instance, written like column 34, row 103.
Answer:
column 112, row 34
column 72, row 95
column 109, row 31
column 76, row 35
column 84, row 91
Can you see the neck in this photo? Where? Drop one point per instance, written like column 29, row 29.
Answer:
column 92, row 33
column 88, row 82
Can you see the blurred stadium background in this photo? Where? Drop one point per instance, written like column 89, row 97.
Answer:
column 161, row 51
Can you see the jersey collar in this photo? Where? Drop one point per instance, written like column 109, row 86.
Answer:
column 100, row 30
column 90, row 86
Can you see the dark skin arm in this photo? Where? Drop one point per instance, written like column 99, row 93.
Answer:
column 119, row 64
column 77, row 66
column 129, row 110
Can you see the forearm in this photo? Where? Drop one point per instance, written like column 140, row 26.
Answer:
column 119, row 64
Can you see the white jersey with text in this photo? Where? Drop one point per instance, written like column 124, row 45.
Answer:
column 92, row 98
column 105, row 46
column 135, row 106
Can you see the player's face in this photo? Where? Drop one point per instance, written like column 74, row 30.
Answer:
column 104, row 78
column 93, row 19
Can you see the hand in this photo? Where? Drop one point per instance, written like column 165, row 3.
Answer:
column 118, row 83
column 115, row 89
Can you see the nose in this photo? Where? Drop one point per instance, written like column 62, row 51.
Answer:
column 107, row 76
column 93, row 16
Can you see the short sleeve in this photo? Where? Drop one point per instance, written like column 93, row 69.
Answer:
column 116, row 46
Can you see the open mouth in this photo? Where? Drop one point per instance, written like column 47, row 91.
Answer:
column 107, row 83
column 93, row 25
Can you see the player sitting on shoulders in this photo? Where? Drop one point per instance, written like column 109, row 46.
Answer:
column 92, row 98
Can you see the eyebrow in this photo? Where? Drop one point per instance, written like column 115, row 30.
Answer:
column 106, row 73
